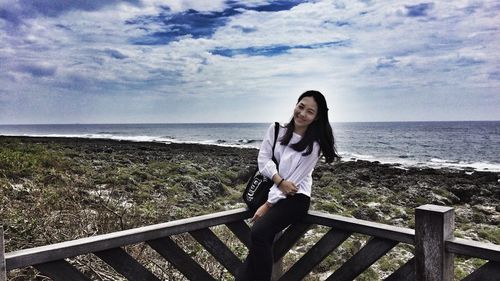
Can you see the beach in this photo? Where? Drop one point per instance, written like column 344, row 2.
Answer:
column 58, row 189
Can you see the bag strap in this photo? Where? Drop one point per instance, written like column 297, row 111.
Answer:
column 276, row 131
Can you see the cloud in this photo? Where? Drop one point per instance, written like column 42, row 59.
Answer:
column 467, row 61
column 495, row 75
column 387, row 62
column 361, row 53
column 419, row 10
column 245, row 29
column 37, row 70
column 15, row 11
column 115, row 54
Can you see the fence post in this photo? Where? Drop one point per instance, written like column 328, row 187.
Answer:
column 433, row 226
column 3, row 273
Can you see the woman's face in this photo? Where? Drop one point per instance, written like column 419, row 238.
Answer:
column 305, row 112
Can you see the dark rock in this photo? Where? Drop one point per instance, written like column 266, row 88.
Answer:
column 364, row 177
column 368, row 213
column 453, row 198
column 215, row 186
column 464, row 192
column 475, row 200
column 158, row 187
column 485, row 177
column 244, row 174
column 182, row 170
column 348, row 202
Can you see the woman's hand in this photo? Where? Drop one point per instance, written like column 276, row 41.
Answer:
column 261, row 211
column 288, row 188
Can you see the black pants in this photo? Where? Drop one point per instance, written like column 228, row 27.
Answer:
column 259, row 263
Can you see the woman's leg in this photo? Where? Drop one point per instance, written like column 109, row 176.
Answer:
column 260, row 257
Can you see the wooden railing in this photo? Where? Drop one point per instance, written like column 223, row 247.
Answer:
column 433, row 241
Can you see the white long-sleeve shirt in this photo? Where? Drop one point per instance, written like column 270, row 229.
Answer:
column 293, row 166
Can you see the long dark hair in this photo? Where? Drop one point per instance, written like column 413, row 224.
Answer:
column 319, row 130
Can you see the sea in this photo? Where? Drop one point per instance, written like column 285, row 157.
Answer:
column 467, row 145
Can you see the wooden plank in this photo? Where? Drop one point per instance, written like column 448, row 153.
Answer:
column 470, row 248
column 400, row 234
column 330, row 241
column 433, row 226
column 241, row 230
column 179, row 259
column 404, row 273
column 363, row 259
column 291, row 235
column 217, row 249
column 490, row 271
column 126, row 265
column 3, row 269
column 77, row 247
column 61, row 270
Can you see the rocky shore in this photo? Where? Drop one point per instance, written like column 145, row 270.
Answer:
column 56, row 189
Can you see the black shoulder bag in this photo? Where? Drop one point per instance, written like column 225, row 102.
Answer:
column 258, row 185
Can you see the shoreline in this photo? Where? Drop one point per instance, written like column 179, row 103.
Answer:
column 438, row 164
column 242, row 160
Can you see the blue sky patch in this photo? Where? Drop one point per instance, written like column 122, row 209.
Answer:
column 274, row 6
column 195, row 24
column 190, row 23
column 275, row 50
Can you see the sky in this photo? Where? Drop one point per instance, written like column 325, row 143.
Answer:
column 198, row 61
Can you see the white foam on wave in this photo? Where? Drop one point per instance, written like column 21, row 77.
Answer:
column 478, row 166
column 361, row 156
column 438, row 161
column 435, row 163
column 101, row 136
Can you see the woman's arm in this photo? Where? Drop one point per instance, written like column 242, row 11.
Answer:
column 290, row 185
column 306, row 166
column 267, row 167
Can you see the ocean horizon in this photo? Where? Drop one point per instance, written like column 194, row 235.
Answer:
column 467, row 145
column 183, row 123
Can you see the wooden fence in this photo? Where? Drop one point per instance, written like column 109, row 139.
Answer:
column 434, row 244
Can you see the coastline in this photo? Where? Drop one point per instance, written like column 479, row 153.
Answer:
column 110, row 185
column 397, row 161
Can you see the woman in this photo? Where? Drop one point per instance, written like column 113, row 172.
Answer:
column 301, row 142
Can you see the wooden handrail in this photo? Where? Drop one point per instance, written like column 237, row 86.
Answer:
column 81, row 246
column 470, row 248
column 430, row 221
column 102, row 242
column 399, row 234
